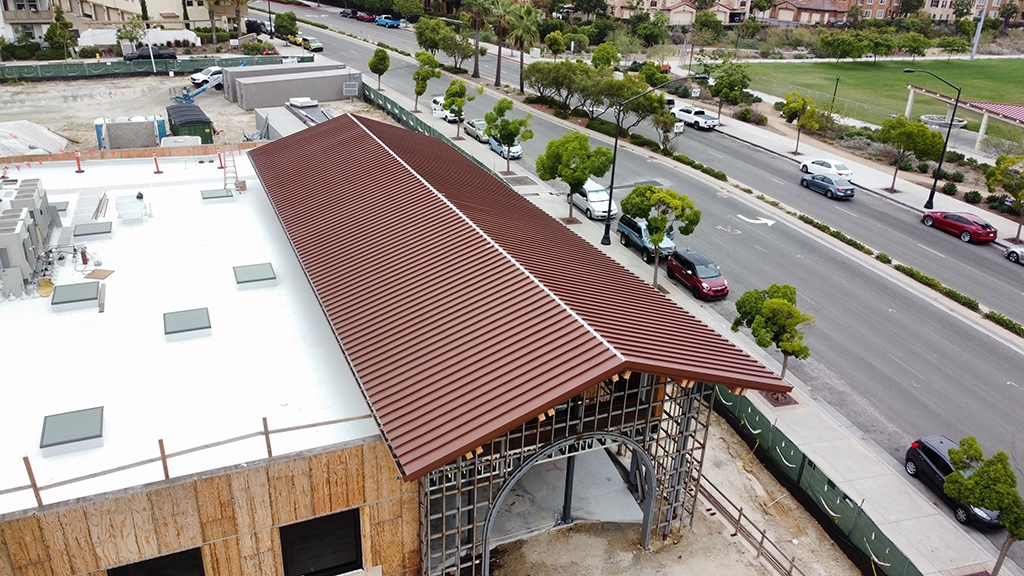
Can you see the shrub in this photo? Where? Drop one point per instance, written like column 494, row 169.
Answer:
column 683, row 159
column 751, row 116
column 972, row 197
column 934, row 284
column 697, row 165
column 256, row 48
column 906, row 165
column 923, row 167
column 604, row 127
column 995, row 201
column 1008, row 323
column 779, row 105
column 543, row 100
column 943, row 175
column 641, row 140
column 453, row 69
column 561, row 114
column 50, row 54
column 957, row 176
column 89, row 51
column 579, row 113
column 949, row 189
column 883, row 258
column 954, row 157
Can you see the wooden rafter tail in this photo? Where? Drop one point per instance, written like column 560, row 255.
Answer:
column 551, row 412
column 626, row 373
column 541, row 417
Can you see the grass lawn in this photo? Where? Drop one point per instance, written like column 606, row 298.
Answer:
column 872, row 91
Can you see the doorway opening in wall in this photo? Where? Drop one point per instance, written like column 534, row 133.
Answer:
column 324, row 546
column 185, row 563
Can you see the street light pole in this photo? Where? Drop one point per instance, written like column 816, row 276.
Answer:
column 607, row 238
column 938, row 171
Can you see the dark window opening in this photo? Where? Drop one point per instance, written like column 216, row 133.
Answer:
column 186, row 563
column 322, row 546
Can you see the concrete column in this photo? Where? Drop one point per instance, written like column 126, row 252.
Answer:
column 981, row 131
column 910, row 104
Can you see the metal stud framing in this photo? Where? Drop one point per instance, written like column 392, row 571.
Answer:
column 661, row 425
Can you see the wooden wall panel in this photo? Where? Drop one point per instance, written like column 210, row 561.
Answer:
column 250, row 491
column 380, row 475
column 122, row 529
column 291, row 495
column 216, row 511
column 53, row 535
column 176, row 517
column 411, row 528
column 221, row 558
column 337, row 481
column 5, row 558
column 381, row 527
column 26, row 548
column 80, row 550
column 257, row 553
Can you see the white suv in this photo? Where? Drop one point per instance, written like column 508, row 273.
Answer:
column 593, row 201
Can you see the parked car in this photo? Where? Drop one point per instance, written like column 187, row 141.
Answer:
column 349, row 12
column 928, row 460
column 1014, row 253
column 475, row 129
column 514, row 152
column 698, row 273
column 695, row 116
column 830, row 186
column 592, row 200
column 969, row 227
column 438, row 110
column 827, row 166
column 366, row 17
column 838, row 24
column 633, row 232
column 144, row 54
column 204, row 76
column 388, row 21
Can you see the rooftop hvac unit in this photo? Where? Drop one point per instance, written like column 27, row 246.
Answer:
column 32, row 195
column 16, row 248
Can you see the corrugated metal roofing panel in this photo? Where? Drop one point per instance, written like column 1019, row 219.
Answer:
column 458, row 323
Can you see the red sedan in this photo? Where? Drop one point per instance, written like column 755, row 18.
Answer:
column 969, row 227
column 366, row 17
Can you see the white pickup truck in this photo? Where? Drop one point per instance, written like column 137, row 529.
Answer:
column 697, row 117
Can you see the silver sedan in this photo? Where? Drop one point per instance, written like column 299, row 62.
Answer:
column 475, row 129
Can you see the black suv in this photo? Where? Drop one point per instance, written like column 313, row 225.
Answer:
column 349, row 12
column 928, row 460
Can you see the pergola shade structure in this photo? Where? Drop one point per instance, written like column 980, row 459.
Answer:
column 483, row 332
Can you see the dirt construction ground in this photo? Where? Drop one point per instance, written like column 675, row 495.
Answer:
column 70, row 108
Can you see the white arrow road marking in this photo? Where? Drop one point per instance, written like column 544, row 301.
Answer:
column 758, row 220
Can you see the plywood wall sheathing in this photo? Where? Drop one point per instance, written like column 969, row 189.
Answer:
column 380, row 473
column 291, row 496
column 337, row 480
column 411, row 528
column 122, row 529
column 69, row 543
column 381, row 526
column 26, row 548
column 216, row 510
column 258, row 555
column 250, row 492
column 5, row 558
column 176, row 517
column 221, row 558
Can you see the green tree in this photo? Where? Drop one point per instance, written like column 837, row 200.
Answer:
column 133, row 29
column 1006, row 174
column 665, row 123
column 703, row 4
column 555, row 43
column 962, row 8
column 476, row 11
column 605, row 56
column 643, row 107
column 411, row 10
column 877, row 43
column 652, row 74
column 798, row 106
column 964, row 27
column 731, row 82
column 431, row 34
column 286, row 24
column 590, row 7
column 914, row 44
column 708, row 24
column 773, row 318
column 379, row 63
column 576, row 43
column 523, row 31
column 747, row 29
column 762, row 6
column 988, row 483
column 1008, row 11
column 501, row 14
column 144, row 10
column 910, row 137
column 571, row 160
column 908, row 7
column 952, row 45
column 237, row 5
column 58, row 33
column 625, row 43
column 427, row 71
column 841, row 45
column 855, row 14
column 649, row 29
column 455, row 99
column 595, row 92
column 458, row 48
column 213, row 23
column 507, row 131
column 661, row 207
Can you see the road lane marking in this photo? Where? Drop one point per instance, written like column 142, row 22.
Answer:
column 717, row 155
column 758, row 220
column 932, row 251
column 847, row 211
column 776, row 180
column 904, row 365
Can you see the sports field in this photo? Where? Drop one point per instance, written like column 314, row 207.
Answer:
column 873, row 91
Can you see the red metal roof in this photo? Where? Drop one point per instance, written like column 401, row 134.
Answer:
column 463, row 308
column 1013, row 112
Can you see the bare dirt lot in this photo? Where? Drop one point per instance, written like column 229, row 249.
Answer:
column 70, row 108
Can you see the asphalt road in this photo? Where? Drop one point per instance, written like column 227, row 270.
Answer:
column 897, row 360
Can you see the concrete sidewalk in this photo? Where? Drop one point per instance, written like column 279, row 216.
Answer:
column 924, row 530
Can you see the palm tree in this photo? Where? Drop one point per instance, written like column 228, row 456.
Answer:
column 238, row 14
column 500, row 13
column 477, row 10
column 523, row 30
column 213, row 25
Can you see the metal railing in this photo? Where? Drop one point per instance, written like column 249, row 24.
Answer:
column 88, row 69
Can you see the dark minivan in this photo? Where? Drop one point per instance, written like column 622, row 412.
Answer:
column 928, row 460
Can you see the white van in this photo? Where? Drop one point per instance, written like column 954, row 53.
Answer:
column 593, row 201
column 437, row 109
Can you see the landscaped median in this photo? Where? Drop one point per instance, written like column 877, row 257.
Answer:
column 967, row 302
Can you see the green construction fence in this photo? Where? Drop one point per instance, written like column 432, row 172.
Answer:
column 88, row 68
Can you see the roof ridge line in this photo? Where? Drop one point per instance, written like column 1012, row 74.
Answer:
column 501, row 250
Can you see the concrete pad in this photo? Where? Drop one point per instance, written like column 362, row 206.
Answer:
column 857, row 462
